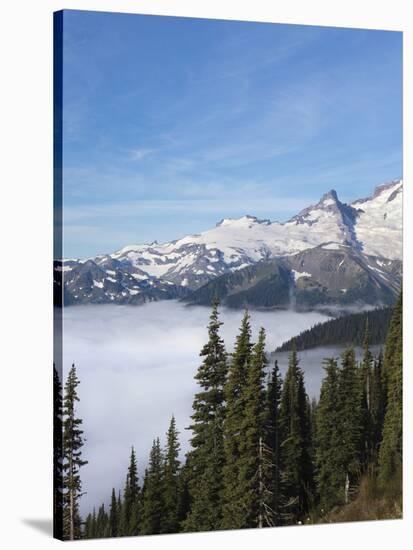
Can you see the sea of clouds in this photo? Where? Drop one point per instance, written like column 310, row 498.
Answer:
column 136, row 366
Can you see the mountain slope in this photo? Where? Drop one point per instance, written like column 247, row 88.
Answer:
column 138, row 273
column 345, row 330
column 327, row 275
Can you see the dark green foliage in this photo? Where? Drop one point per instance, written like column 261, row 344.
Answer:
column 233, row 493
column 102, row 523
column 272, row 445
column 390, row 455
column 153, row 497
column 114, row 516
column 57, row 456
column 254, row 455
column 170, row 523
column 203, row 480
column 377, row 405
column 262, row 454
column 72, row 458
column 346, row 330
column 184, row 497
column 265, row 284
column 88, row 528
column 130, row 514
column 330, row 476
column 349, row 452
column 296, row 471
column 366, row 378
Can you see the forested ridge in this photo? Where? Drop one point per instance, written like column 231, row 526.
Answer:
column 262, row 454
column 345, row 330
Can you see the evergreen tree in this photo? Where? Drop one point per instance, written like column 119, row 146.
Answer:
column 57, row 456
column 204, row 470
column 272, row 443
column 233, row 508
column 255, row 457
column 94, row 531
column 378, row 401
column 365, row 372
column 296, row 468
column 184, row 498
column 349, row 452
column 88, row 530
column 390, row 454
column 102, row 523
column 72, row 458
column 113, row 516
column 131, row 500
column 153, row 498
column 170, row 522
column 330, row 476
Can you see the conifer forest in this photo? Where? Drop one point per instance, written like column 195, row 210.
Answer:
column 262, row 454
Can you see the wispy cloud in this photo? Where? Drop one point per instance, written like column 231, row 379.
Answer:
column 140, row 154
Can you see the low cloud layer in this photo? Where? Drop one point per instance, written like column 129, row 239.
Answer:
column 137, row 366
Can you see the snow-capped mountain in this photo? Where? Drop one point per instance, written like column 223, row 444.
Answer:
column 327, row 275
column 137, row 273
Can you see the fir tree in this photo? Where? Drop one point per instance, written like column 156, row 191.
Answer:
column 170, row 522
column 233, row 509
column 349, row 452
column 57, row 456
column 131, row 500
column 365, row 371
column 296, row 468
column 272, row 443
column 153, row 498
column 378, row 401
column 255, row 456
column 72, row 455
column 88, row 530
column 204, row 469
column 102, row 523
column 330, row 475
column 113, row 516
column 390, row 454
column 184, row 498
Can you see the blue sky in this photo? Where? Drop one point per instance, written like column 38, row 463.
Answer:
column 170, row 124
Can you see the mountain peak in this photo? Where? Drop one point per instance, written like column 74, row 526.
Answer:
column 329, row 196
column 247, row 219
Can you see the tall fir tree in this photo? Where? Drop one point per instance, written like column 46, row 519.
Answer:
column 330, row 475
column 102, row 523
column 295, row 435
column 272, row 443
column 88, row 528
column 184, row 497
column 351, row 428
column 130, row 514
column 114, row 530
column 57, row 455
column 170, row 523
column 378, row 401
column 255, row 456
column 390, row 454
column 72, row 458
column 153, row 497
column 233, row 516
column 366, row 378
column 204, row 468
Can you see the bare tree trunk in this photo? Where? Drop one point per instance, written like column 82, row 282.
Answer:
column 346, row 489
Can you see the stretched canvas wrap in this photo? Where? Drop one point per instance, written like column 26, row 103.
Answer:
column 227, row 276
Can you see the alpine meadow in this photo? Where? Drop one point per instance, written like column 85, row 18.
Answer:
column 228, row 273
